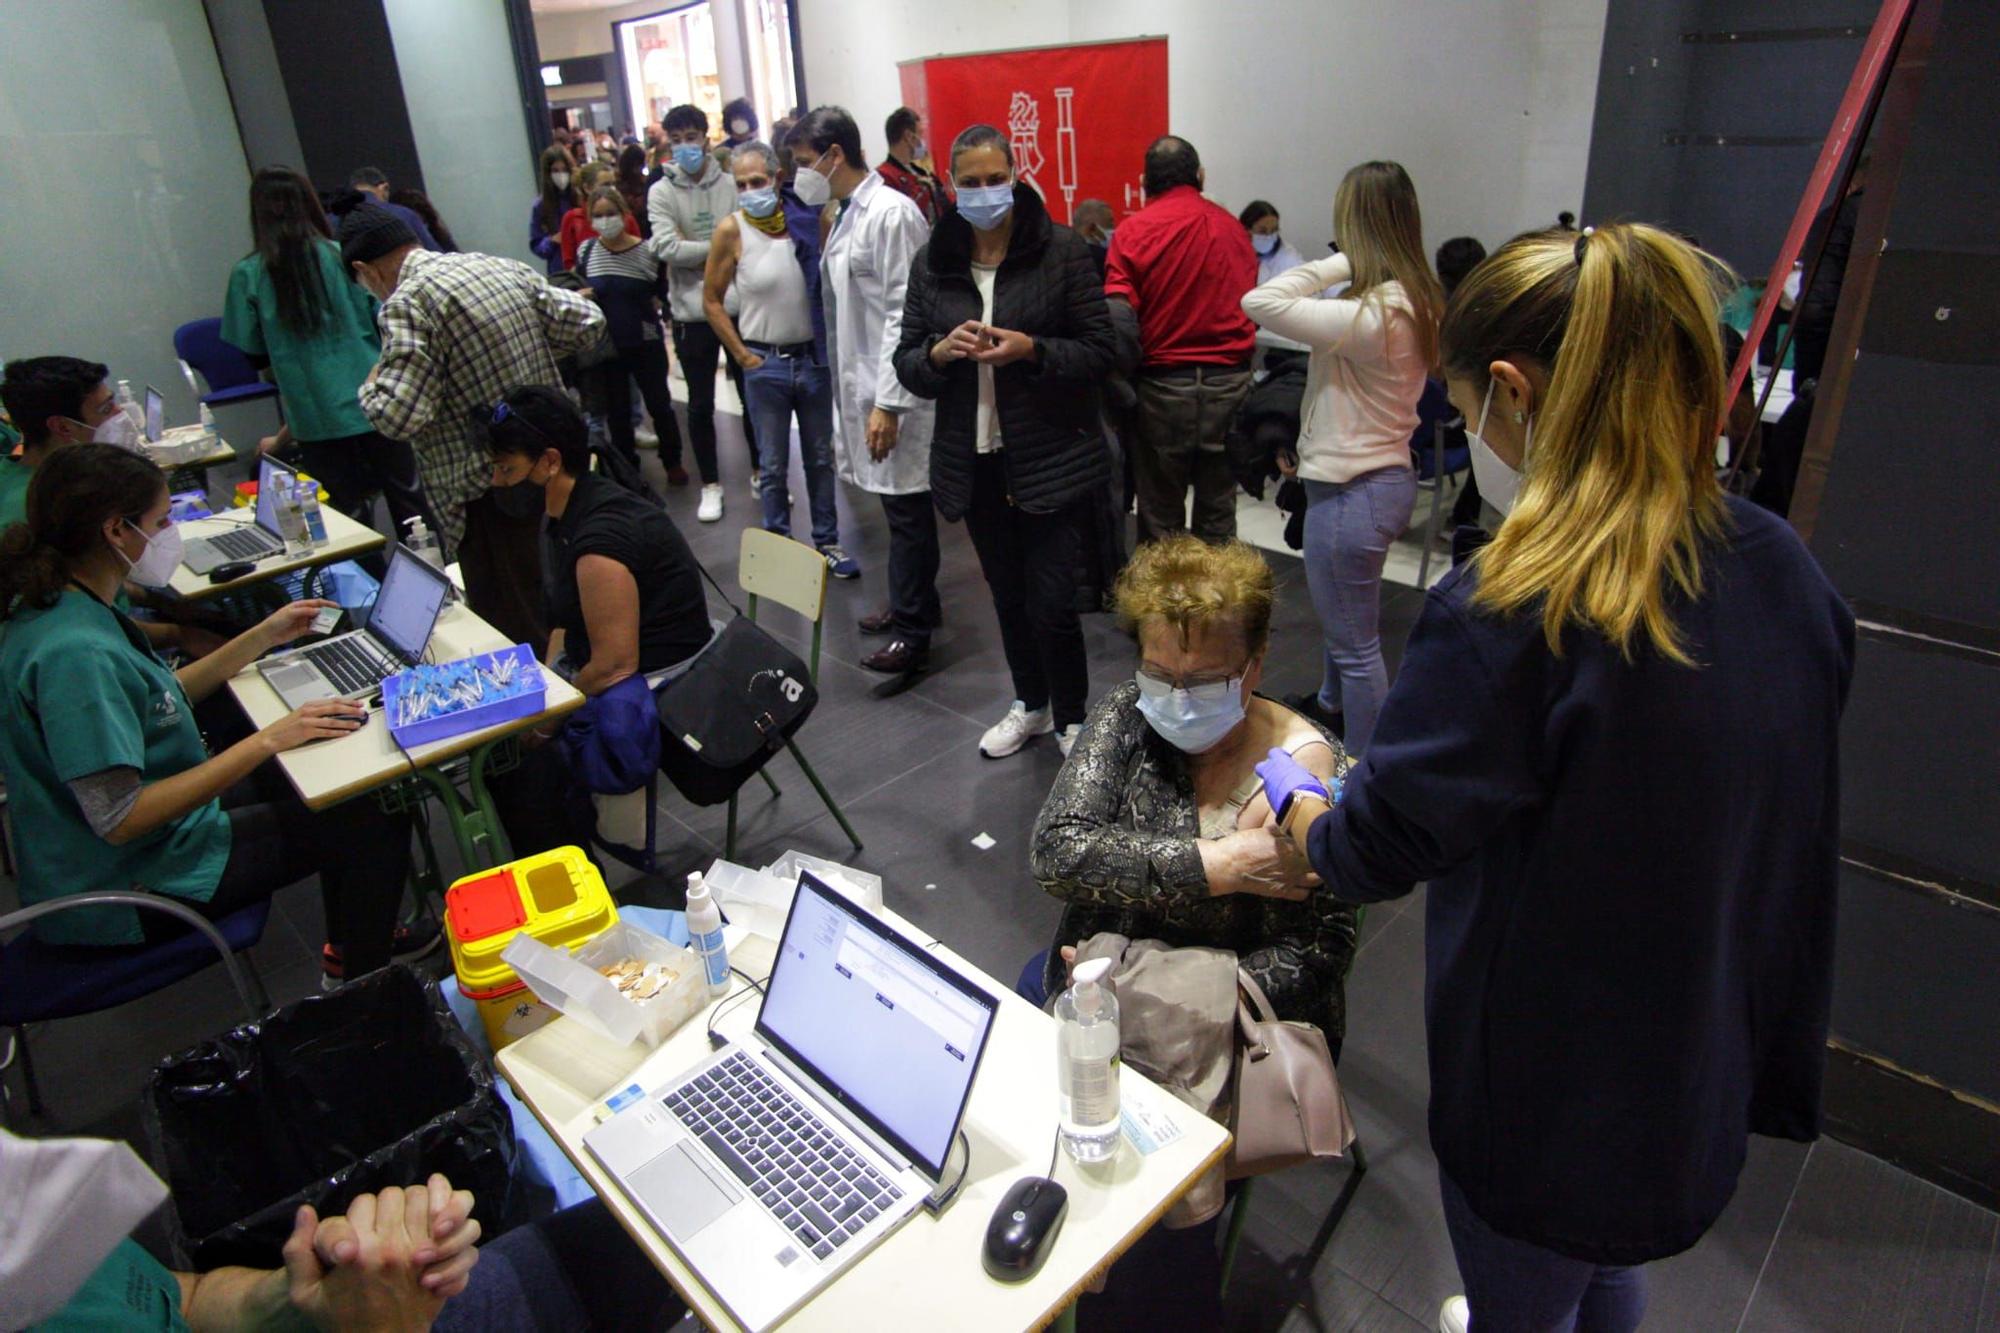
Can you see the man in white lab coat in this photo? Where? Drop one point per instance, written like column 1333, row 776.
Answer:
column 882, row 431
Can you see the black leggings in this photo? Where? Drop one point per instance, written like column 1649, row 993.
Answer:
column 362, row 857
column 646, row 363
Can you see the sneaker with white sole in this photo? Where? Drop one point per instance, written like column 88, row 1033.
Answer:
column 839, row 563
column 645, row 436
column 1066, row 738
column 1016, row 729
column 1455, row 1316
column 710, row 509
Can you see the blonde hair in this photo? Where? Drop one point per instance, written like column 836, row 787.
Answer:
column 1381, row 231
column 1619, row 489
column 591, row 174
column 1183, row 582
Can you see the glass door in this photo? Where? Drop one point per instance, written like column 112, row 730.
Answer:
column 669, row 58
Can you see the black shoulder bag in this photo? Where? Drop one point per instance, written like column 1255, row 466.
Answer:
column 745, row 695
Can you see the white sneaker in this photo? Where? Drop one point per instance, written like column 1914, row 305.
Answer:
column 645, row 436
column 1066, row 738
column 711, row 503
column 756, row 482
column 1016, row 729
column 1455, row 1316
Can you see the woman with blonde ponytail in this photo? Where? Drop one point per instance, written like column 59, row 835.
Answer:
column 1613, row 753
column 1372, row 347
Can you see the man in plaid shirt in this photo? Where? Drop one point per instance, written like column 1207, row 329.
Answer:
column 458, row 331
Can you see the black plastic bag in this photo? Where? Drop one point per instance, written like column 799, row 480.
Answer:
column 328, row 1098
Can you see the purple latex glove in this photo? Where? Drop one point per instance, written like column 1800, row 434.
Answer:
column 1285, row 777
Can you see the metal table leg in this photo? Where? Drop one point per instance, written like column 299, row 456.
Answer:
column 475, row 824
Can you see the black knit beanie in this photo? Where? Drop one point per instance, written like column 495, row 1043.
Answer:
column 366, row 234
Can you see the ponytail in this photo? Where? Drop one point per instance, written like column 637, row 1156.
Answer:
column 75, row 489
column 1619, row 490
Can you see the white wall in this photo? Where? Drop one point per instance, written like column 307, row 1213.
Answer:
column 123, row 188
column 457, row 64
column 1487, row 105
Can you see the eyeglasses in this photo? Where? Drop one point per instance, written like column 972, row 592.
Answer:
column 1206, row 680
column 503, row 414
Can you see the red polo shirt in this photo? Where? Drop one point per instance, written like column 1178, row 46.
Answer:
column 1184, row 264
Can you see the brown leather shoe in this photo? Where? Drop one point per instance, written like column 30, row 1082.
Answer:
column 884, row 622
column 900, row 658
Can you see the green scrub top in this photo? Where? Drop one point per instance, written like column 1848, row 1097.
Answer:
column 80, row 692
column 14, row 478
column 319, row 376
column 129, row 1290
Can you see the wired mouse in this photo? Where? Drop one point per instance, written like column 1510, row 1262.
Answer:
column 1024, row 1228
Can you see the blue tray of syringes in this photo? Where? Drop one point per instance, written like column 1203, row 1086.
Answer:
column 430, row 703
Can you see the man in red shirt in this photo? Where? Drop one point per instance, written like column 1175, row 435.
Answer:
column 1180, row 267
column 904, row 167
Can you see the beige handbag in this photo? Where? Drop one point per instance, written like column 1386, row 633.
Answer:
column 1289, row 1108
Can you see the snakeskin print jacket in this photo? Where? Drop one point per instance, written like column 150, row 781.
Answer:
column 1116, row 842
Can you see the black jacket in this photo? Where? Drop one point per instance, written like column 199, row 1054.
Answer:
column 1632, row 866
column 1048, row 288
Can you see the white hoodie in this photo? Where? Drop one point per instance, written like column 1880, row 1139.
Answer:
column 684, row 213
column 1366, row 373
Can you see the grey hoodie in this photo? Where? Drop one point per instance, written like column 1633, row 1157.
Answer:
column 684, row 214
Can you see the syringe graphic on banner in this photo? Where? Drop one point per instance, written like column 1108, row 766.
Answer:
column 1066, row 149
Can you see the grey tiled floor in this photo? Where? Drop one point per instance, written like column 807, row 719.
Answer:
column 1819, row 1238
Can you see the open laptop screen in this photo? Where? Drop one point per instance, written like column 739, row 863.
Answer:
column 883, row 1025
column 407, row 607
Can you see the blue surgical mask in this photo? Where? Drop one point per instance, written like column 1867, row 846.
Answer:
column 1264, row 243
column 688, row 157
column 759, row 203
column 986, row 206
column 1195, row 719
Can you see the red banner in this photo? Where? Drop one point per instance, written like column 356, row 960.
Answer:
column 1079, row 118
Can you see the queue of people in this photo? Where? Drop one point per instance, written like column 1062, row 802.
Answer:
column 1581, row 737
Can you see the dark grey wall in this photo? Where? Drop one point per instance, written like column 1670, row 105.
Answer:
column 1714, row 136
column 346, row 94
column 1899, row 511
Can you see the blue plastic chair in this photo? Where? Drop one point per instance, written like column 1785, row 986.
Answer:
column 40, row 983
column 1437, row 460
column 231, row 378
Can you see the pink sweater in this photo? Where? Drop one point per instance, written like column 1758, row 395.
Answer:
column 1366, row 373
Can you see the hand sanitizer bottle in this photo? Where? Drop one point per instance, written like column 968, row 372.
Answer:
column 704, row 922
column 1087, row 1064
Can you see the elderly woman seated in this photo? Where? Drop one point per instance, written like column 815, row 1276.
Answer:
column 1157, row 827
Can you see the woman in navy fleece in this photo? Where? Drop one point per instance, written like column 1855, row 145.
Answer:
column 1613, row 752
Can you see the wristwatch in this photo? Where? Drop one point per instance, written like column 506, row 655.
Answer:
column 1302, row 806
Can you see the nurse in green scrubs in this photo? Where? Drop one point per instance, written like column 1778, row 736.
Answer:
column 104, row 764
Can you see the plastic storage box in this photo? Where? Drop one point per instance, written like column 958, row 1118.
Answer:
column 523, row 702
column 576, row 986
column 557, row 897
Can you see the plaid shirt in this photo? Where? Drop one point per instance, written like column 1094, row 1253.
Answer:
column 459, row 331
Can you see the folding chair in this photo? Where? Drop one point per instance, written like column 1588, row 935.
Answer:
column 793, row 575
column 40, row 983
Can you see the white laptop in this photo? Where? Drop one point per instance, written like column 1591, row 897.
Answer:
column 782, row 1159
column 257, row 540
column 354, row 665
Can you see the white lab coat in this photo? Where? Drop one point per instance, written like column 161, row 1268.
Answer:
column 863, row 274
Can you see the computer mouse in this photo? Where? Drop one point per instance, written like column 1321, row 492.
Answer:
column 232, row 571
column 1024, row 1228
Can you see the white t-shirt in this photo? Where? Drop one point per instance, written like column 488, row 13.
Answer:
column 986, row 424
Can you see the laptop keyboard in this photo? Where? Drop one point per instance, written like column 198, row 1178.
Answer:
column 821, row 1189
column 242, row 544
column 352, row 668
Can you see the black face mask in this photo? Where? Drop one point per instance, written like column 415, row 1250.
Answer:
column 522, row 500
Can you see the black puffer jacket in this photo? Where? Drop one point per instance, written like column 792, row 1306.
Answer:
column 1049, row 289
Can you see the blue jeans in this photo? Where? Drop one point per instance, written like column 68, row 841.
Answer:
column 1349, row 526
column 1516, row 1287
column 782, row 388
